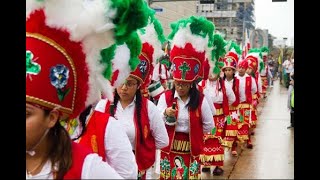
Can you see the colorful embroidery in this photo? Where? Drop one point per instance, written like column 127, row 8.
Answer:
column 145, row 132
column 229, row 120
column 31, row 66
column 180, row 171
column 194, row 170
column 165, row 168
column 143, row 68
column 184, row 68
column 196, row 68
column 213, row 131
column 94, row 144
column 59, row 76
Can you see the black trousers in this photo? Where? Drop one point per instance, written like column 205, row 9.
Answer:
column 292, row 116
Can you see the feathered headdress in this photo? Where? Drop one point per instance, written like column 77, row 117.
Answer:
column 64, row 40
column 191, row 39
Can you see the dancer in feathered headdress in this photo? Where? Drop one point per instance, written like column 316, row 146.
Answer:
column 65, row 77
column 191, row 39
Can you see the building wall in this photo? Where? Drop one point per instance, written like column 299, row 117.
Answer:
column 173, row 11
column 224, row 17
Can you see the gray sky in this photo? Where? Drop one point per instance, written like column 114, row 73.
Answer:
column 277, row 17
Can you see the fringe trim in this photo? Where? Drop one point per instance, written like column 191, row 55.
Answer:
column 179, row 145
column 211, row 158
column 219, row 112
column 231, row 132
column 242, row 138
column 212, row 137
column 227, row 143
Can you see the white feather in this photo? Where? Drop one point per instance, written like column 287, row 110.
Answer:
column 121, row 62
column 32, row 5
column 151, row 37
column 81, row 20
column 91, row 46
column 184, row 36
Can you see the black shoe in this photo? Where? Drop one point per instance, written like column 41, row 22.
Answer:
column 218, row 171
column 205, row 169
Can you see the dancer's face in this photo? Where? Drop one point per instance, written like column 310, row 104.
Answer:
column 37, row 122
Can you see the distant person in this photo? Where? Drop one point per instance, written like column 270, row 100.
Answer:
column 288, row 68
column 291, row 101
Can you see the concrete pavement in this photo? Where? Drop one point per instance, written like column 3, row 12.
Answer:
column 272, row 156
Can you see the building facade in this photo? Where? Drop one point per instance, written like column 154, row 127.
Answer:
column 229, row 16
column 170, row 11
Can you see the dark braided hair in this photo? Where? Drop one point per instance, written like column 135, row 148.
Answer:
column 138, row 104
column 83, row 118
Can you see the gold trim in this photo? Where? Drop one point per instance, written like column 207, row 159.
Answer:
column 231, row 132
column 255, row 96
column 193, row 58
column 244, row 105
column 232, row 108
column 181, row 145
column 210, row 158
column 219, row 112
column 137, row 78
column 48, row 104
column 227, row 143
column 64, row 52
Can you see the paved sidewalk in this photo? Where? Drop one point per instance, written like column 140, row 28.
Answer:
column 272, row 156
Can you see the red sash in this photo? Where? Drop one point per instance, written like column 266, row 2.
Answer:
column 236, row 92
column 95, row 132
column 248, row 89
column 79, row 153
column 195, row 126
column 144, row 151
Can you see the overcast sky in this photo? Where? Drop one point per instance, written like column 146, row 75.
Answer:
column 277, row 17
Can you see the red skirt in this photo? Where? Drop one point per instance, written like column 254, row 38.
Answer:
column 244, row 122
column 179, row 163
column 213, row 152
column 231, row 131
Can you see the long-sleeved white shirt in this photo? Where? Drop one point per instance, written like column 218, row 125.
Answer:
column 242, row 85
column 183, row 114
column 93, row 168
column 259, row 84
column 164, row 74
column 118, row 150
column 211, row 90
column 125, row 116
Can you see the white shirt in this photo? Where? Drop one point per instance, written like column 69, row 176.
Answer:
column 163, row 75
column 288, row 65
column 259, row 84
column 93, row 168
column 242, row 85
column 118, row 150
column 217, row 96
column 125, row 117
column 183, row 114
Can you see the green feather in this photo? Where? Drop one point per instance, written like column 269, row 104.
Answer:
column 159, row 30
column 131, row 15
column 199, row 26
column 261, row 66
column 254, row 50
column 265, row 49
column 134, row 44
column 235, row 47
column 219, row 51
column 107, row 55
